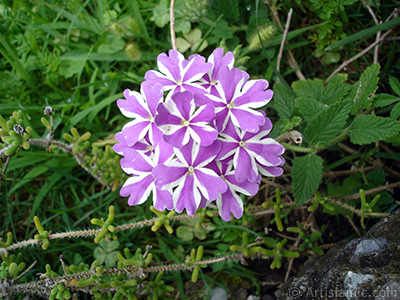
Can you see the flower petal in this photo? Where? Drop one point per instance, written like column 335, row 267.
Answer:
column 203, row 135
column 135, row 131
column 153, row 94
column 206, row 154
column 183, row 104
column 162, row 199
column 170, row 64
column 187, row 196
column 248, row 120
column 245, row 166
column 177, row 138
column 195, row 69
column 230, row 203
column 168, row 176
column 210, row 184
column 138, row 187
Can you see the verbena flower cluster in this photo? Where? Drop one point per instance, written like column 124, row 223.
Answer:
column 196, row 135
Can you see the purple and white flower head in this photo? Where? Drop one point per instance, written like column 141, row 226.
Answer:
column 177, row 74
column 218, row 60
column 190, row 177
column 237, row 98
column 181, row 121
column 142, row 108
column 230, row 202
column 205, row 141
column 139, row 186
column 249, row 150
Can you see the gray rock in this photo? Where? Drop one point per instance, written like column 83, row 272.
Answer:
column 362, row 269
column 218, row 293
column 390, row 291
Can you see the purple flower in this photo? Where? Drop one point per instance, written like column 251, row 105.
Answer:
column 142, row 107
column 236, row 100
column 218, row 59
column 181, row 121
column 251, row 151
column 177, row 74
column 229, row 201
column 190, row 176
column 121, row 146
column 141, row 184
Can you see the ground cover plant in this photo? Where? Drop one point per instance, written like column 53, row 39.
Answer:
column 330, row 172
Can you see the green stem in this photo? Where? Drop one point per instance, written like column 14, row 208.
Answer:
column 339, row 137
column 297, row 148
column 208, row 22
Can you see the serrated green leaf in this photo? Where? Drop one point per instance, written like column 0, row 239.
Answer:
column 362, row 89
column 309, row 107
column 334, row 92
column 310, row 88
column 306, row 177
column 395, row 113
column 367, row 129
column 376, row 177
column 284, row 101
column 321, row 130
column 338, row 78
column 382, row 100
column 394, row 84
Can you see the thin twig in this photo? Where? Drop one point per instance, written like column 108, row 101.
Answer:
column 172, row 24
column 289, row 18
column 292, row 135
column 347, row 172
column 395, row 38
column 378, row 35
column 367, row 192
column 376, row 50
column 352, row 224
column 370, row 11
column 26, row 271
column 277, row 185
column 289, row 54
column 68, row 149
column 3, row 171
column 42, row 287
column 355, row 57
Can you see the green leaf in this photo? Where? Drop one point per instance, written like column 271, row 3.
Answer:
column 382, row 100
column 161, row 14
column 229, row 9
column 185, row 233
column 395, row 113
column 321, row 130
column 306, row 177
column 311, row 88
column 222, row 30
column 284, row 101
column 335, row 91
column 367, row 129
column 394, row 84
column 330, row 58
column 362, row 89
column 363, row 34
column 309, row 107
column 94, row 110
column 9, row 54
